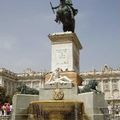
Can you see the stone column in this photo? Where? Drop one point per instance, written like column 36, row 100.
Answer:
column 119, row 86
column 7, row 87
column 111, row 93
column 41, row 83
column 11, row 87
column 102, row 89
column 1, row 82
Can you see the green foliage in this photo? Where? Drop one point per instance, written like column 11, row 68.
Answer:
column 2, row 91
column 3, row 97
column 6, row 99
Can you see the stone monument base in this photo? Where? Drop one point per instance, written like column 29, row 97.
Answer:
column 20, row 105
column 95, row 106
column 92, row 106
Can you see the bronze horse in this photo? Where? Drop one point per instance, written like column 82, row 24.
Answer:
column 65, row 14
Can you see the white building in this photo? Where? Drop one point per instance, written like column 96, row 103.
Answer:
column 8, row 80
column 109, row 83
column 108, row 79
column 11, row 80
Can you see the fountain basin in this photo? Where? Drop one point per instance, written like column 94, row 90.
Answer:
column 55, row 110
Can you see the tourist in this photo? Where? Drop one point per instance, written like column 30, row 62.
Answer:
column 4, row 109
column 0, row 108
column 8, row 108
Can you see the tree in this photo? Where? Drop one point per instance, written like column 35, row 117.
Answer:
column 2, row 94
column 2, row 91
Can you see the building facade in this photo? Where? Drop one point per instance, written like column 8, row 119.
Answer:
column 8, row 80
column 32, row 79
column 108, row 83
column 11, row 80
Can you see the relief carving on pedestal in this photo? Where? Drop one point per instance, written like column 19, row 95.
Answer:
column 58, row 94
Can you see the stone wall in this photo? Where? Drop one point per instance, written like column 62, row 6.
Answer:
column 20, row 105
column 95, row 106
column 5, row 117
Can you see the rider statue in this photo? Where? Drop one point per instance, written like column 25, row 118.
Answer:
column 65, row 14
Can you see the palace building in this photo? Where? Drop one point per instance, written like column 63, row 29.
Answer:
column 11, row 80
column 108, row 83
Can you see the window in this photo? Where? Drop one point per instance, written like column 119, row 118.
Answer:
column 115, row 84
column 99, row 85
column 115, row 94
column 106, row 85
column 107, row 94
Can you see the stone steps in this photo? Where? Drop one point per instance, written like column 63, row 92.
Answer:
column 8, row 117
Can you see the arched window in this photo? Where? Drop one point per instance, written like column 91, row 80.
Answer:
column 106, row 85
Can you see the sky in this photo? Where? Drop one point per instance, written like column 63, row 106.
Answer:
column 26, row 24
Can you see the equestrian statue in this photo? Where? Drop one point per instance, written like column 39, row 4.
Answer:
column 65, row 14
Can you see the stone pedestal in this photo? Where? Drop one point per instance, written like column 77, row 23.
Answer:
column 20, row 105
column 65, row 51
column 95, row 106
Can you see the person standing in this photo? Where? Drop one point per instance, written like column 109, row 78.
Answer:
column 8, row 108
column 0, row 109
column 4, row 109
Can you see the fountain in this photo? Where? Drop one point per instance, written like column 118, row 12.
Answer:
column 55, row 110
column 59, row 99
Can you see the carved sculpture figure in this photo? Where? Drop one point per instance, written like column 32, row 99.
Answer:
column 90, row 87
column 58, row 94
column 65, row 14
column 23, row 89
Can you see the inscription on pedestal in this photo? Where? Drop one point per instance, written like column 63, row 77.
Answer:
column 62, row 56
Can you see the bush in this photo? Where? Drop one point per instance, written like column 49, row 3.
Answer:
column 2, row 91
